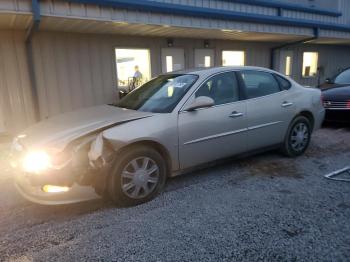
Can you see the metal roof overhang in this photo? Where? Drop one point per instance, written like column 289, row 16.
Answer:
column 176, row 9
column 49, row 23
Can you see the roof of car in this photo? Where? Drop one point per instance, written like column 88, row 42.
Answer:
column 213, row 70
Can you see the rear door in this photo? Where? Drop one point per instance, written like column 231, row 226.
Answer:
column 270, row 108
column 219, row 131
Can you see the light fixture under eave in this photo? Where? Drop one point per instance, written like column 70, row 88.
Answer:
column 170, row 42
column 121, row 23
column 231, row 31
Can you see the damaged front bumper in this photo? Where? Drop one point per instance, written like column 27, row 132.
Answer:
column 81, row 177
column 36, row 194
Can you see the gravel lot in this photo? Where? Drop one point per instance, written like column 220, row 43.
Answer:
column 264, row 207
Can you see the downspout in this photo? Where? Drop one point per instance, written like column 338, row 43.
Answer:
column 30, row 58
column 303, row 41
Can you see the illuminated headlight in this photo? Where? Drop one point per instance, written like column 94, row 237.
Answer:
column 36, row 162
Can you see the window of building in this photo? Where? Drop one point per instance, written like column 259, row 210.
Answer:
column 222, row 88
column 207, row 61
column 259, row 83
column 310, row 61
column 169, row 63
column 288, row 69
column 233, row 58
column 133, row 67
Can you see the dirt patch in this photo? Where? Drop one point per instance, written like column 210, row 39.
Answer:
column 329, row 141
column 272, row 169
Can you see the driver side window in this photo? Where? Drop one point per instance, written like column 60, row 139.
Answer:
column 222, row 88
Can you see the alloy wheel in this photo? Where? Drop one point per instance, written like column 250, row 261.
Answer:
column 140, row 177
column 299, row 137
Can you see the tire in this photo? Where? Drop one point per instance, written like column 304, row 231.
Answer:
column 138, row 176
column 298, row 137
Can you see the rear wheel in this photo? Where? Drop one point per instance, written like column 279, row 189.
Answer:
column 137, row 177
column 298, row 137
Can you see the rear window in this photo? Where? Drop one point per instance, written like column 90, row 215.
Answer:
column 284, row 83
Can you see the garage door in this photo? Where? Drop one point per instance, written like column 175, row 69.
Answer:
column 173, row 59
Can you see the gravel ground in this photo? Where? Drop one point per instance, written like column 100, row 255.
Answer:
column 264, row 207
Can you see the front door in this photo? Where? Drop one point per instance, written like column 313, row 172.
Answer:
column 203, row 57
column 219, row 131
column 270, row 109
column 173, row 59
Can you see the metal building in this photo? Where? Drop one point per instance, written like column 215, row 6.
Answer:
column 61, row 55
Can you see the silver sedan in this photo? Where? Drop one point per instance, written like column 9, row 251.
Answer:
column 177, row 121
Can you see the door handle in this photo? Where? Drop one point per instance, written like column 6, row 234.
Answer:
column 236, row 114
column 286, row 104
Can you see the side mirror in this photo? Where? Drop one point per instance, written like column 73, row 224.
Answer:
column 200, row 102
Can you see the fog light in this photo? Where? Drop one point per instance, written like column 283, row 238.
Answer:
column 55, row 189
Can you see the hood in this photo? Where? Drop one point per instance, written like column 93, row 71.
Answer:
column 57, row 132
column 337, row 93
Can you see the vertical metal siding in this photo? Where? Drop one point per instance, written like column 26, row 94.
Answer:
column 15, row 90
column 73, row 71
column 332, row 58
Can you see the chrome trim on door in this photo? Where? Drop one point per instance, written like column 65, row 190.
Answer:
column 264, row 125
column 230, row 133
column 216, row 136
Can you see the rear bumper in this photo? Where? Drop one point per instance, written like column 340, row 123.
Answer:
column 338, row 115
column 35, row 193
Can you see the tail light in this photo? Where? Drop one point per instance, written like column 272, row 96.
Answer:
column 348, row 104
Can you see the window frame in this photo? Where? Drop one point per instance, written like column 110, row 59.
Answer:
column 222, row 73
column 233, row 50
column 261, row 71
column 302, row 65
column 277, row 76
column 241, row 91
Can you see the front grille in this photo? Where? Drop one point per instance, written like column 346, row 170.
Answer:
column 336, row 104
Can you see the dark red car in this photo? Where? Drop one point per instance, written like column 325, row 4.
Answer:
column 336, row 97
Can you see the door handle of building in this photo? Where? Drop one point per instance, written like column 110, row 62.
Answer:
column 286, row 104
column 236, row 114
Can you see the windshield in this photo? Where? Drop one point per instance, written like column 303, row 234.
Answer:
column 343, row 77
column 160, row 95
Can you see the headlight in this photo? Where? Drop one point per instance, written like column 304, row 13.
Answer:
column 36, row 162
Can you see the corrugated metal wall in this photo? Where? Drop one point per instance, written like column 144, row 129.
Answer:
column 332, row 59
column 73, row 71
column 93, row 12
column 79, row 70
column 15, row 90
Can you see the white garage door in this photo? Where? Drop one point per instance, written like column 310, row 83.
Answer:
column 204, row 57
column 173, row 59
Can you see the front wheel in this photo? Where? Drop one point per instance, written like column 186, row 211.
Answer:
column 137, row 177
column 298, row 137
